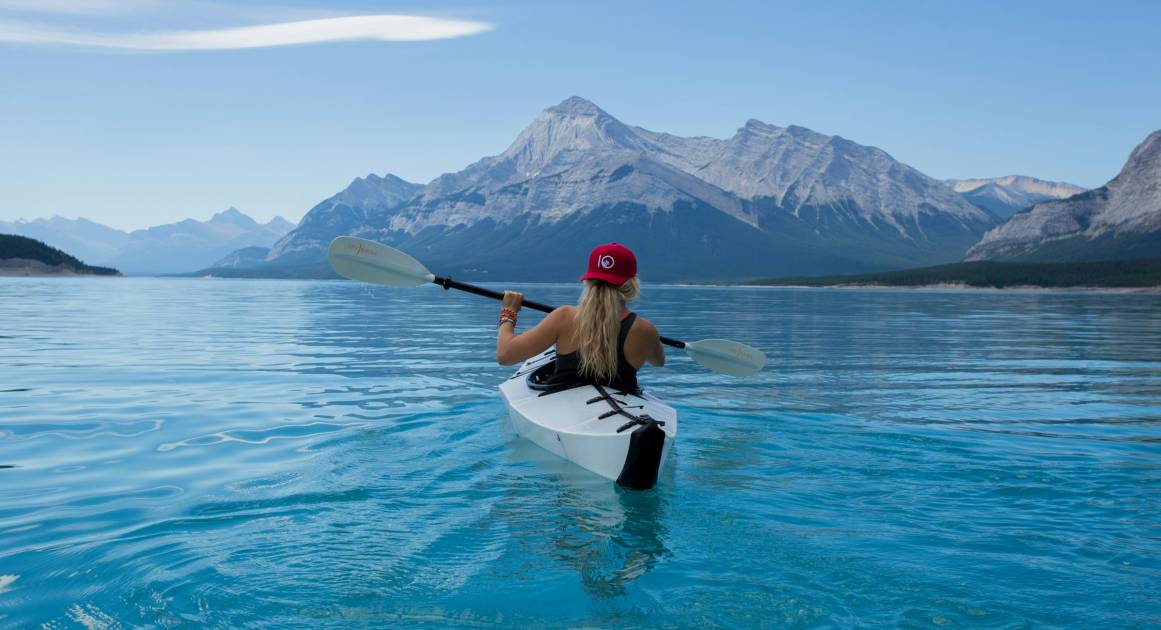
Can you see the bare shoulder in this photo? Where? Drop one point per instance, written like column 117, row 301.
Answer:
column 561, row 316
column 645, row 327
column 564, row 313
column 646, row 343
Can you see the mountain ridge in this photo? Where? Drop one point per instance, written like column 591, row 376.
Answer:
column 1009, row 194
column 1118, row 220
column 185, row 245
column 576, row 175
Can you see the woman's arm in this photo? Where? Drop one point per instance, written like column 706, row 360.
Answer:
column 512, row 348
column 655, row 352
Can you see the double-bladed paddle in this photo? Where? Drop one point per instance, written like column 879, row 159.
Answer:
column 368, row 261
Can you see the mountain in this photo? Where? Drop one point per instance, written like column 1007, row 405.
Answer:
column 1121, row 219
column 770, row 200
column 359, row 204
column 190, row 244
column 245, row 258
column 281, row 226
column 90, row 242
column 23, row 256
column 1005, row 196
column 171, row 248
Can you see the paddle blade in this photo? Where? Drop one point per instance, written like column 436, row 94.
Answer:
column 368, row 261
column 727, row 357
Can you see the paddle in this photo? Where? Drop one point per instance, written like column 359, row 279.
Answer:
column 368, row 261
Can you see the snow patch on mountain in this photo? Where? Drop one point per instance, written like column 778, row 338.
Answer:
column 577, row 166
column 1007, row 195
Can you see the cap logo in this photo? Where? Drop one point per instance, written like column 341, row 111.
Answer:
column 605, row 262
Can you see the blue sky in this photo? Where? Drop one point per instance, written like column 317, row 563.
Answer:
column 97, row 122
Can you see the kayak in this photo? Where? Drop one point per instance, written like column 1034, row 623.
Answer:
column 622, row 436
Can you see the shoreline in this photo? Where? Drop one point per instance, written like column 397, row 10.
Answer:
column 27, row 268
column 56, row 273
column 952, row 286
column 945, row 287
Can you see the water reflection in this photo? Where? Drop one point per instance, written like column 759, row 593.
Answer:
column 609, row 536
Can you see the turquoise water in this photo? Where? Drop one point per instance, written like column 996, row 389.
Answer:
column 237, row 453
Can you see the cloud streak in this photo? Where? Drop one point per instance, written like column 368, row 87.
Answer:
column 74, row 7
column 397, row 28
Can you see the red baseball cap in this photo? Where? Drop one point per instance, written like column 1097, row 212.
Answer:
column 611, row 262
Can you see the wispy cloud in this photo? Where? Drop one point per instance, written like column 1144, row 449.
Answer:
column 400, row 28
column 75, row 7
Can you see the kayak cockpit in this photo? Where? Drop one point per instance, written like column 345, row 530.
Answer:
column 540, row 379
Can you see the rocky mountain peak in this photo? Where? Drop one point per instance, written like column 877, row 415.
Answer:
column 576, row 106
column 573, row 125
column 804, row 132
column 1120, row 219
column 374, row 190
column 842, row 145
column 756, row 133
column 374, row 179
column 1135, row 193
column 280, row 224
column 233, row 216
column 755, row 127
column 1146, row 157
column 344, row 213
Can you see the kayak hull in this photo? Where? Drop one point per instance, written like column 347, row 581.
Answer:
column 568, row 422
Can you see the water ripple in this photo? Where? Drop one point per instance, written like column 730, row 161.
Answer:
column 327, row 454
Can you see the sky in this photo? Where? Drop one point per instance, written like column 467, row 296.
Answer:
column 135, row 113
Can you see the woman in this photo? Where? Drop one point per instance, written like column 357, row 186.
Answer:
column 598, row 341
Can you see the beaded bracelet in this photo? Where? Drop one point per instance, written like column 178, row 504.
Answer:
column 507, row 320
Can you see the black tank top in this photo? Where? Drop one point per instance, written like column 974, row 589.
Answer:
column 568, row 365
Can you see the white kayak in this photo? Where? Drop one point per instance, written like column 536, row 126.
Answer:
column 622, row 436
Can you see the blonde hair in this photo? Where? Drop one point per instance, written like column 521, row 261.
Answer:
column 598, row 321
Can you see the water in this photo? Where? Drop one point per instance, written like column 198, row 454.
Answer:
column 328, row 454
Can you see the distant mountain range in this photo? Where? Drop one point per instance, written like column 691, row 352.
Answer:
column 190, row 245
column 1005, row 196
column 768, row 201
column 173, row 248
column 1121, row 219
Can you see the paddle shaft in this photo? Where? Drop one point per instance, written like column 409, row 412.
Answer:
column 447, row 283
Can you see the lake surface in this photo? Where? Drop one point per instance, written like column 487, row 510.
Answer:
column 238, row 453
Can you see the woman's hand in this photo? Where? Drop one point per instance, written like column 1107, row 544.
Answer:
column 513, row 300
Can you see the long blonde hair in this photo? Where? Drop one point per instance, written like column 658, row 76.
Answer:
column 598, row 321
